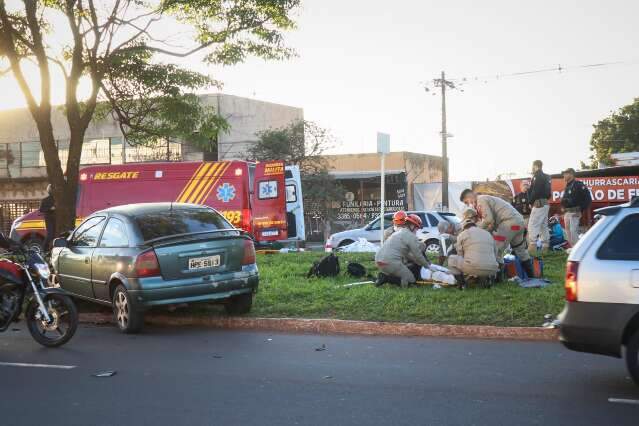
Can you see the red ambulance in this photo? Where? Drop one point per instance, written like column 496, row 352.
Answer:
column 252, row 196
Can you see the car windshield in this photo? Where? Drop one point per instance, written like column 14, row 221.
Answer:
column 179, row 221
column 451, row 218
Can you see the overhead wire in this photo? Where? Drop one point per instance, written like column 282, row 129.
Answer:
column 558, row 69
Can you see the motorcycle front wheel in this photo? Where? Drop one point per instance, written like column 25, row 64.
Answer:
column 63, row 320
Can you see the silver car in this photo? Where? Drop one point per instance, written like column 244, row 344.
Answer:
column 601, row 315
column 428, row 234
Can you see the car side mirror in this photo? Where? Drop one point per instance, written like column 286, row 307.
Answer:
column 60, row 242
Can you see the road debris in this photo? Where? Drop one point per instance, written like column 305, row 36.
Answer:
column 328, row 377
column 105, row 374
column 321, row 348
column 624, row 401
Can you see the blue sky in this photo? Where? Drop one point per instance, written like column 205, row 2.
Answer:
column 361, row 62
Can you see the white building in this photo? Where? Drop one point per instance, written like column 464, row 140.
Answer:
column 22, row 160
column 22, row 167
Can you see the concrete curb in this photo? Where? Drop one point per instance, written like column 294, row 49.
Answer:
column 329, row 326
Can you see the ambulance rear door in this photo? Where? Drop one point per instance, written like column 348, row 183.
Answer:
column 268, row 203
column 294, row 204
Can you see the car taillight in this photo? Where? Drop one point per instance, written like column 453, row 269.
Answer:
column 571, row 281
column 249, row 253
column 246, row 220
column 146, row 265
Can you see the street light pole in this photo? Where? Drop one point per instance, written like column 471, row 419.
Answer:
column 444, row 147
column 383, row 148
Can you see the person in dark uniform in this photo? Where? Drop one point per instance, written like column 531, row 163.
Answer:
column 575, row 200
column 521, row 202
column 47, row 208
column 539, row 196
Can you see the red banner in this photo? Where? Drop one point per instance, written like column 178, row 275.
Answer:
column 614, row 189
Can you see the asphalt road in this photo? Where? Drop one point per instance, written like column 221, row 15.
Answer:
column 185, row 376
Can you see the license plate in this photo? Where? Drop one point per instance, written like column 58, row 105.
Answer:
column 270, row 233
column 204, row 262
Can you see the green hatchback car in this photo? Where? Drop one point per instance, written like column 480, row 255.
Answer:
column 137, row 256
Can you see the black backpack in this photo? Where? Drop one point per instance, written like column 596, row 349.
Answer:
column 355, row 269
column 328, row 266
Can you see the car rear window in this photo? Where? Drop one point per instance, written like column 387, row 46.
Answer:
column 179, row 221
column 620, row 244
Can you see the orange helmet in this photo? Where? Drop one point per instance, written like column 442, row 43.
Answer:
column 415, row 220
column 399, row 218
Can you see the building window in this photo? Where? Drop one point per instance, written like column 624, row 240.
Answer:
column 160, row 150
column 13, row 164
column 31, row 155
column 4, row 156
column 117, row 151
column 96, row 151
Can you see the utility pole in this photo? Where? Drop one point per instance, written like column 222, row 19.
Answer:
column 444, row 84
column 444, row 147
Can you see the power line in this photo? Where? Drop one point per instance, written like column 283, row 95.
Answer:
column 458, row 82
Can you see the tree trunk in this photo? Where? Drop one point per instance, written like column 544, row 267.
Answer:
column 65, row 210
column 66, row 200
column 54, row 169
column 64, row 185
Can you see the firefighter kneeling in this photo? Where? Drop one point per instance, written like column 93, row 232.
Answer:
column 401, row 249
column 476, row 251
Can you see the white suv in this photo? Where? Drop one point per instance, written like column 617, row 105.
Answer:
column 602, row 288
column 429, row 233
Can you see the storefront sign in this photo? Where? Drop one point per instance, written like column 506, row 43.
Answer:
column 603, row 189
column 367, row 210
column 614, row 189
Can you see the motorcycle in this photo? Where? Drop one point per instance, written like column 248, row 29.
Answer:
column 50, row 313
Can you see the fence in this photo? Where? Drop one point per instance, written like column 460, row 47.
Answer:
column 11, row 210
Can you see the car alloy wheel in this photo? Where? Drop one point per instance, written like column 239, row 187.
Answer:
column 128, row 319
column 432, row 248
column 122, row 310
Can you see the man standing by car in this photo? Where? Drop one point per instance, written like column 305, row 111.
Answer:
column 538, row 196
column 47, row 208
column 504, row 222
column 575, row 200
column 521, row 203
column 401, row 248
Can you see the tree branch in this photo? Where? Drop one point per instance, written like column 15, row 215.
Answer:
column 31, row 8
